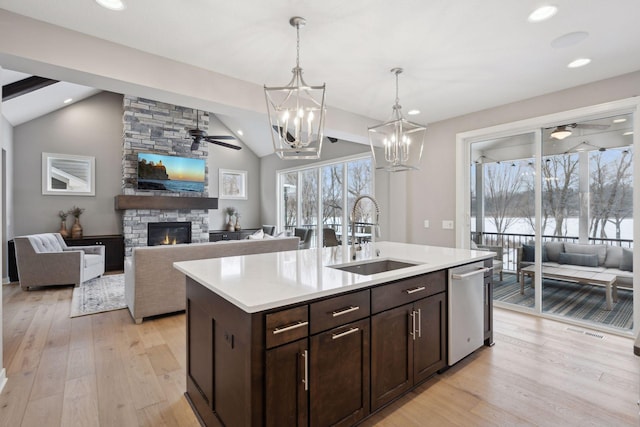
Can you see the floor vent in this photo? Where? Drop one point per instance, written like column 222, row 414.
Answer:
column 587, row 333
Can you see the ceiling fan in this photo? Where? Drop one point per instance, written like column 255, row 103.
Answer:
column 563, row 131
column 197, row 135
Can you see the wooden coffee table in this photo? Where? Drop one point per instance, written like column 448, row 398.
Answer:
column 578, row 276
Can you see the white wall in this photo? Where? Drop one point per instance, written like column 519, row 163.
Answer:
column 431, row 191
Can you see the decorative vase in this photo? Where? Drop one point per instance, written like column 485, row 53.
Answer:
column 237, row 226
column 76, row 229
column 63, row 229
column 230, row 226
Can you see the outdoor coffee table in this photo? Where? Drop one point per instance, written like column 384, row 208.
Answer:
column 574, row 275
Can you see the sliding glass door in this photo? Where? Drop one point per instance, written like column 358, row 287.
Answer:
column 562, row 227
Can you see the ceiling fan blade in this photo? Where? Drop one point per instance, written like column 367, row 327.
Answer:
column 223, row 144
column 290, row 137
column 222, row 136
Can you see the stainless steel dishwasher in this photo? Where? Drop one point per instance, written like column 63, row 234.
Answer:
column 465, row 310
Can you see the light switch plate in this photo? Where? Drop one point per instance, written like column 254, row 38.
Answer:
column 426, row 223
column 447, row 225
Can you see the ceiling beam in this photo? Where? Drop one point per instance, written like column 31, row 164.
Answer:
column 24, row 86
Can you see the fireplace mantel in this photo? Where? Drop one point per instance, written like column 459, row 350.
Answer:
column 164, row 202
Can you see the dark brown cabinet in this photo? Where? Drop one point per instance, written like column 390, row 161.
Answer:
column 113, row 249
column 216, row 236
column 408, row 343
column 286, row 385
column 326, row 361
column 339, row 375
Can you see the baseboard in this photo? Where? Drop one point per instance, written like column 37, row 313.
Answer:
column 3, row 379
column 6, row 281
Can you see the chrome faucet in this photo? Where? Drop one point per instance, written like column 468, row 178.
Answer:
column 353, row 222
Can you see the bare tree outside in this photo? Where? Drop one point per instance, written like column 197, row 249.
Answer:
column 560, row 195
column 611, row 190
column 503, row 184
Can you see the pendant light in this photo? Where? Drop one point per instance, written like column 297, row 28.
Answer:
column 296, row 112
column 400, row 140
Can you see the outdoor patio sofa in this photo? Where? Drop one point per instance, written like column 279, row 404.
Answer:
column 586, row 257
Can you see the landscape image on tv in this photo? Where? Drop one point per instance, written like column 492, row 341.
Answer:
column 170, row 173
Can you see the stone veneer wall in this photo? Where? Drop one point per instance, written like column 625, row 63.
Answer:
column 156, row 127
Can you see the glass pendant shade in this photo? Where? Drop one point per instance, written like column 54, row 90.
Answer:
column 296, row 113
column 397, row 144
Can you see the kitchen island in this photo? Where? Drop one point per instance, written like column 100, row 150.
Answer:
column 287, row 338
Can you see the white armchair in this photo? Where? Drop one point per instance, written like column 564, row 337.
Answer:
column 45, row 260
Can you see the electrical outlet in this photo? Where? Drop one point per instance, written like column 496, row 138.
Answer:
column 447, row 225
column 426, row 223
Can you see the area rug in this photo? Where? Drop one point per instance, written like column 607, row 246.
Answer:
column 583, row 302
column 97, row 295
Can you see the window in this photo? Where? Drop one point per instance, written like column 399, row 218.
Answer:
column 324, row 194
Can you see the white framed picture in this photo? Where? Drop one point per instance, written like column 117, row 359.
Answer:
column 232, row 184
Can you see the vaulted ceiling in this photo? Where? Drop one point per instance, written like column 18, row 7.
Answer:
column 459, row 56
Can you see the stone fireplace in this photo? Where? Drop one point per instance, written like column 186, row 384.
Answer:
column 156, row 127
column 168, row 233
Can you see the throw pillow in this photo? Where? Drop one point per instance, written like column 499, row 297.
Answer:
column 584, row 260
column 614, row 257
column 528, row 253
column 627, row 260
column 578, row 248
column 258, row 235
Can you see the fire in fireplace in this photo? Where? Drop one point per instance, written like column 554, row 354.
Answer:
column 168, row 233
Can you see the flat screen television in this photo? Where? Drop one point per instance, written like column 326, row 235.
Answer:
column 170, row 173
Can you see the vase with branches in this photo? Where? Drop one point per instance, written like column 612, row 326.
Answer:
column 76, row 228
column 231, row 211
column 63, row 224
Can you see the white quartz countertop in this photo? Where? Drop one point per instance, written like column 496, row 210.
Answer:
column 261, row 282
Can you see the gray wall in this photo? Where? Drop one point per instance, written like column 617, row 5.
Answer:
column 91, row 127
column 225, row 158
column 431, row 191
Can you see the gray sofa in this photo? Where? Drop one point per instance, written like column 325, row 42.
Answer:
column 586, row 257
column 46, row 260
column 153, row 286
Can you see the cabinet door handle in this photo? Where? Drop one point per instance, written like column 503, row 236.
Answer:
column 344, row 334
column 413, row 324
column 296, row 325
column 414, row 290
column 305, row 377
column 345, row 310
column 419, row 323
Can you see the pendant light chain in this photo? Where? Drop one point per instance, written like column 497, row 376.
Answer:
column 297, row 45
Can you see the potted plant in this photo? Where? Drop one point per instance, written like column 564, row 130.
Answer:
column 63, row 224
column 76, row 228
column 231, row 211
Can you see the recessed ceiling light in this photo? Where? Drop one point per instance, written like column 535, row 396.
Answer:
column 619, row 120
column 580, row 62
column 112, row 4
column 68, row 100
column 627, row 133
column 542, row 13
column 240, row 132
column 413, row 112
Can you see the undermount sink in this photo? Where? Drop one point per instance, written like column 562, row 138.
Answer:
column 374, row 267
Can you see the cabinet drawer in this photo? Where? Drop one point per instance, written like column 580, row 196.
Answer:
column 339, row 310
column 287, row 325
column 407, row 290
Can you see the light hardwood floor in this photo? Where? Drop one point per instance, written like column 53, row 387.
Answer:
column 103, row 370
